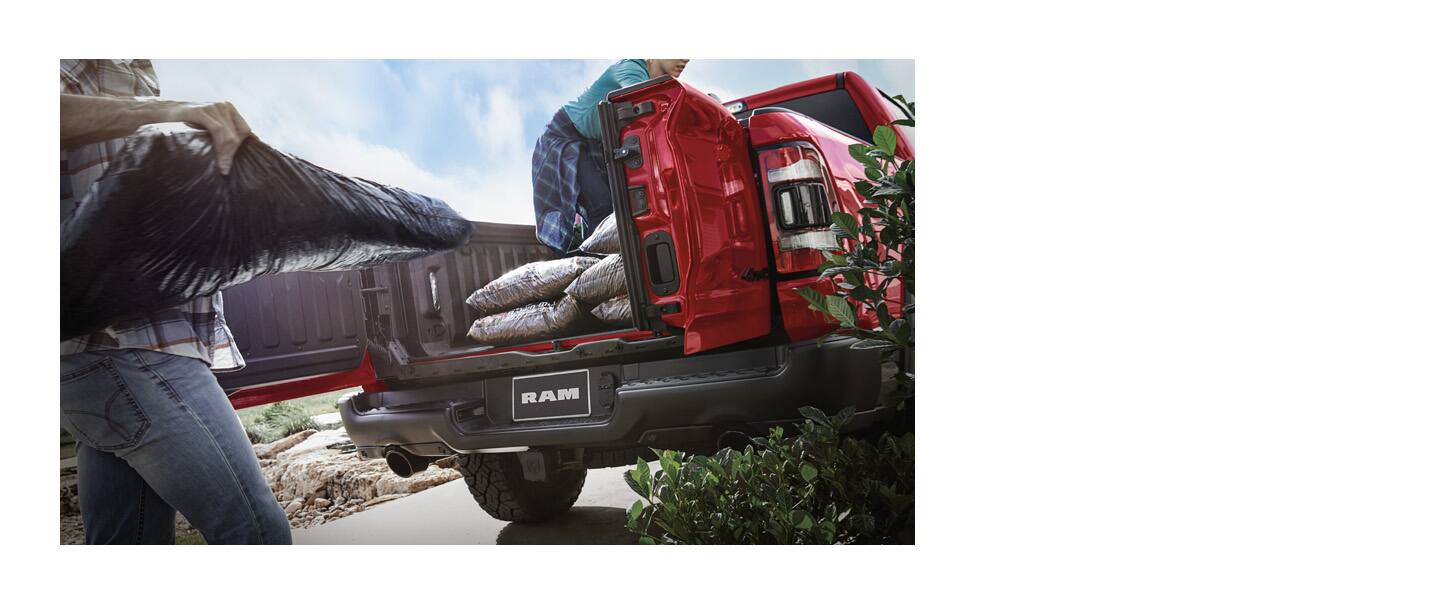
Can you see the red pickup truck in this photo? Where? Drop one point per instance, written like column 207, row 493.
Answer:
column 722, row 209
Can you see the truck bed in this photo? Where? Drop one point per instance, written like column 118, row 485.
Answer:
column 409, row 316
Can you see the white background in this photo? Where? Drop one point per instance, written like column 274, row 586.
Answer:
column 1183, row 321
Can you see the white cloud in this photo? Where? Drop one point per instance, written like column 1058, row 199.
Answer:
column 359, row 117
column 316, row 110
column 498, row 125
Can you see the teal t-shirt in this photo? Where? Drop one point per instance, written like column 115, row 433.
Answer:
column 583, row 110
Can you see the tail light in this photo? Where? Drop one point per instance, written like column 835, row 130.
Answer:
column 799, row 188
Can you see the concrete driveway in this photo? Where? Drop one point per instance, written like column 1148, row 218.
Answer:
column 447, row 515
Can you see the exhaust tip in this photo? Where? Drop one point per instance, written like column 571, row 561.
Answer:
column 404, row 463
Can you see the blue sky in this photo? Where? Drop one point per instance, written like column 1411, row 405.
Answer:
column 462, row 131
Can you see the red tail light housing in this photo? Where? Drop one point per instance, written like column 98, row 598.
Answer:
column 801, row 201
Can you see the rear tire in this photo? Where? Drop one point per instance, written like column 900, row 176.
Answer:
column 498, row 486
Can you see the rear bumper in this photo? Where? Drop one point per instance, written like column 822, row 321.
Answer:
column 680, row 403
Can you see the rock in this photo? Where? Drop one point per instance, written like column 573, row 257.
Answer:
column 69, row 492
column 267, row 451
column 321, row 503
column 293, row 507
column 331, row 419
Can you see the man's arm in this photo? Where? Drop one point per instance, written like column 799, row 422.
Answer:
column 89, row 119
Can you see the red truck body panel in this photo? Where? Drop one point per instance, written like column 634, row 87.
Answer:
column 362, row 376
column 698, row 170
column 701, row 192
column 777, row 128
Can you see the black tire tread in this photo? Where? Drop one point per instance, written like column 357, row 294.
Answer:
column 497, row 484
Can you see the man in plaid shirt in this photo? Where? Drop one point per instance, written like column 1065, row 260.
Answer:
column 155, row 432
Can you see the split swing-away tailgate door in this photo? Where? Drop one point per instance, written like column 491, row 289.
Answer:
column 688, row 212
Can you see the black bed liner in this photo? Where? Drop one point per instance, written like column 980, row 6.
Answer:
column 298, row 325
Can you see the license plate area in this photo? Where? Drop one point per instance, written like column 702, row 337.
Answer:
column 551, row 396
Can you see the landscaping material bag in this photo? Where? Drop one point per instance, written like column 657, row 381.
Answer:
column 534, row 322
column 600, row 283
column 615, row 312
column 163, row 226
column 605, row 238
column 527, row 284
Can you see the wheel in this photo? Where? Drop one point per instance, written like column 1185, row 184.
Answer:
column 498, row 486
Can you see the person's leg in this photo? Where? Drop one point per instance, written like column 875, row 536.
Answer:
column 595, row 201
column 117, row 507
column 192, row 449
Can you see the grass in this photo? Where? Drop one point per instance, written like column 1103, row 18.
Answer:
column 189, row 537
column 275, row 421
column 311, row 405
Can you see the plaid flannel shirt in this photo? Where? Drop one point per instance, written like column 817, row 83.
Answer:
column 195, row 329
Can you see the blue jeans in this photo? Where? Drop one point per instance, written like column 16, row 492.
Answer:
column 155, row 435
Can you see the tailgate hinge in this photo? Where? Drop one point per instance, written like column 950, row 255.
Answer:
column 625, row 111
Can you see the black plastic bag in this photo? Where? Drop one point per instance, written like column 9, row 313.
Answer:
column 163, row 226
column 600, row 283
column 534, row 322
column 604, row 239
column 615, row 312
column 530, row 283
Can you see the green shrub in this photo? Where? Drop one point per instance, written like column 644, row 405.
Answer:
column 876, row 250
column 814, row 488
column 817, row 487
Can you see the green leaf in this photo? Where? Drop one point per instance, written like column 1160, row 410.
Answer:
column 634, row 512
column 874, row 174
column 808, row 473
column 632, row 478
column 858, row 152
column 910, row 106
column 873, row 344
column 847, row 222
column 841, row 311
column 816, row 299
column 885, row 190
column 646, row 540
column 812, row 413
column 885, row 139
column 644, row 477
column 801, row 519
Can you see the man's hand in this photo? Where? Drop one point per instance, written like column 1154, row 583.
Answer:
column 223, row 122
column 89, row 119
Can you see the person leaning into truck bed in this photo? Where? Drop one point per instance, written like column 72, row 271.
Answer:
column 569, row 177
column 155, row 433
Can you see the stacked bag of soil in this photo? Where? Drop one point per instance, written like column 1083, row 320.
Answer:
column 528, row 303
column 163, row 226
column 602, row 287
column 550, row 299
